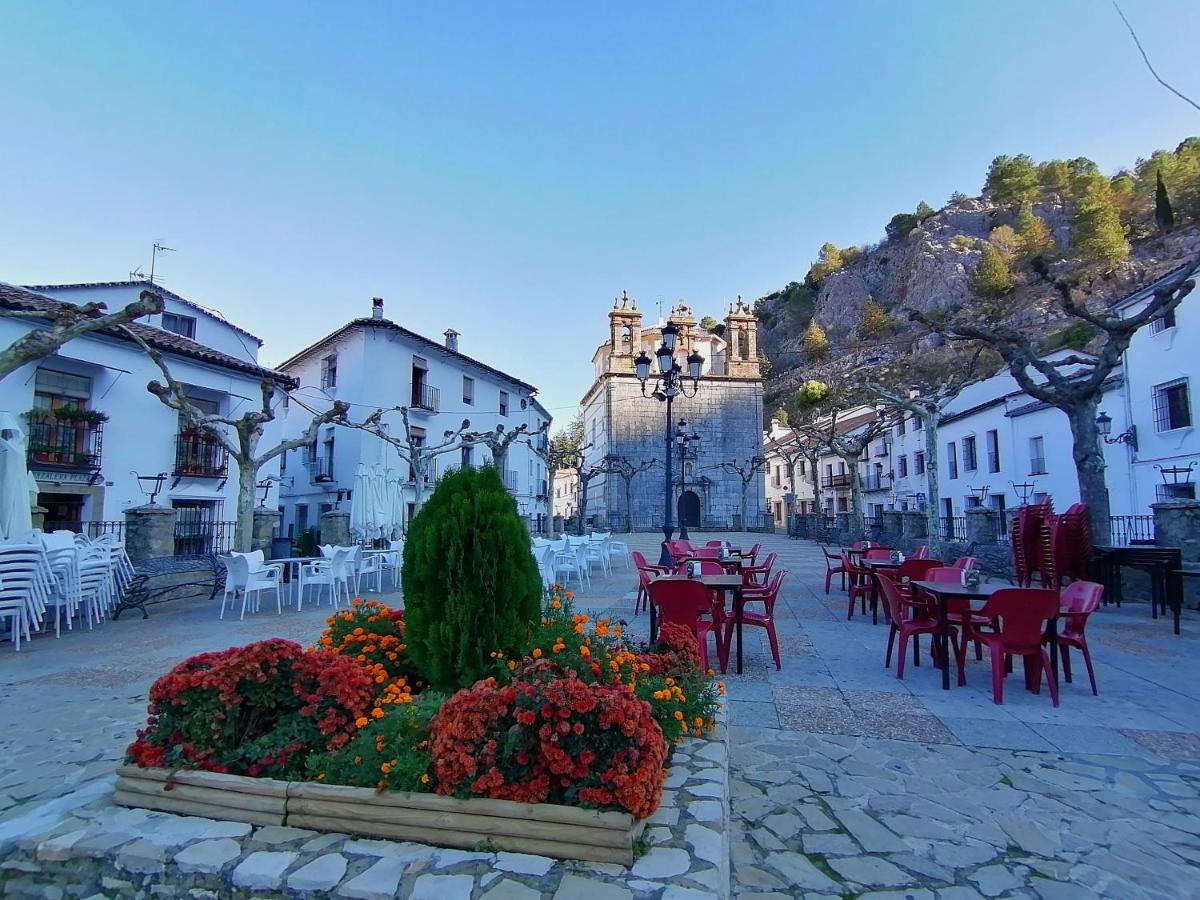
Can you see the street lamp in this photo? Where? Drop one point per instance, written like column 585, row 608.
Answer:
column 1174, row 476
column 1024, row 491
column 670, row 383
column 981, row 493
column 684, row 440
column 1104, row 426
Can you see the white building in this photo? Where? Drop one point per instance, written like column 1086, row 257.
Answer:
column 373, row 363
column 1157, row 403
column 93, row 428
column 789, row 482
column 566, row 493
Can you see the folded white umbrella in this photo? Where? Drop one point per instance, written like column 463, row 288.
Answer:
column 17, row 488
column 362, row 505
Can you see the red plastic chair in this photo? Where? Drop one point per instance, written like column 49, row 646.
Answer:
column 717, row 544
column 1081, row 598
column 750, row 573
column 922, row 622
column 646, row 574
column 679, row 549
column 688, row 602
column 860, row 584
column 921, row 552
column 959, row 611
column 963, row 563
column 706, row 553
column 910, row 570
column 765, row 619
column 878, row 553
column 707, row 566
column 1022, row 615
column 831, row 570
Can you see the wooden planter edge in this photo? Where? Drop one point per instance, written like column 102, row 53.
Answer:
column 545, row 829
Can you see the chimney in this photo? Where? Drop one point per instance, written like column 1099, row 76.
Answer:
column 376, row 307
column 451, row 339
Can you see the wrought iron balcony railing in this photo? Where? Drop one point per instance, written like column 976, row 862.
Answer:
column 200, row 456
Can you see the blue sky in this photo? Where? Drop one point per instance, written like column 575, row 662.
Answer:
column 506, row 169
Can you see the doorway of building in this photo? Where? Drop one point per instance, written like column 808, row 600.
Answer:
column 689, row 509
column 64, row 512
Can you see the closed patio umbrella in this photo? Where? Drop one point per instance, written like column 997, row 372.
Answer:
column 363, row 509
column 18, row 490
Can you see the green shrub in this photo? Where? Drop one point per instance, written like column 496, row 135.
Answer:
column 471, row 586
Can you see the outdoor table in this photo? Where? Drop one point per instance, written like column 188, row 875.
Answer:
column 877, row 566
column 721, row 583
column 1158, row 562
column 946, row 591
column 296, row 562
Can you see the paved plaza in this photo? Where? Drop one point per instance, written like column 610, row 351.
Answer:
column 846, row 780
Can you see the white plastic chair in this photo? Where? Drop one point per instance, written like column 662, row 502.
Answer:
column 252, row 582
column 95, row 584
column 371, row 565
column 15, row 608
column 615, row 548
column 569, row 560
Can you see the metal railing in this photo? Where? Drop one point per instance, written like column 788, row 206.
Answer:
column 65, row 444
column 200, row 456
column 1125, row 530
column 96, row 529
column 197, row 533
column 320, row 468
column 836, row 481
column 954, row 528
column 426, row 397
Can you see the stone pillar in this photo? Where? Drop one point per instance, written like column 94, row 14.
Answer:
column 915, row 527
column 266, row 522
column 1177, row 524
column 843, row 523
column 149, row 532
column 38, row 515
column 893, row 524
column 335, row 528
column 982, row 525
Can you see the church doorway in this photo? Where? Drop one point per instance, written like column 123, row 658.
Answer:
column 689, row 509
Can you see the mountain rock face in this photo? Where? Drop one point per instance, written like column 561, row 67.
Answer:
column 930, row 269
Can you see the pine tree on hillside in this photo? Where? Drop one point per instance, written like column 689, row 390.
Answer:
column 1054, row 176
column 1096, row 231
column 992, row 278
column 1012, row 179
column 1033, row 234
column 1004, row 239
column 815, row 342
column 1164, row 215
column 874, row 320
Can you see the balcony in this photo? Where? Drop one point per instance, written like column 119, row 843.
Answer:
column 876, row 483
column 67, row 443
column 836, row 481
column 510, row 480
column 320, row 469
column 425, row 398
column 200, row 456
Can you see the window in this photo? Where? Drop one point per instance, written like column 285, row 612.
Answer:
column 329, row 372
column 900, row 426
column 301, row 516
column 417, row 436
column 467, row 452
column 917, row 423
column 919, row 462
column 177, row 324
column 775, row 481
column 504, row 407
column 1037, row 456
column 903, row 463
column 952, row 460
column 993, row 451
column 468, row 391
column 969, row 460
column 53, row 390
column 1172, row 406
column 800, row 466
column 1163, row 322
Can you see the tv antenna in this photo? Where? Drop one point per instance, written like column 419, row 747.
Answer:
column 158, row 248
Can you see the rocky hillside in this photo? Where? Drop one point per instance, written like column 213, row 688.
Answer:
column 932, row 266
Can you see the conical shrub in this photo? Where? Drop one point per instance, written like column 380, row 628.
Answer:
column 471, row 586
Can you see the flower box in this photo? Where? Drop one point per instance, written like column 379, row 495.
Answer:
column 545, row 829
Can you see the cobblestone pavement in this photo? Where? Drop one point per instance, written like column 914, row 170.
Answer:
column 1105, row 785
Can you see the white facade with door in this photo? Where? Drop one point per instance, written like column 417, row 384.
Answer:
column 93, row 428
column 373, row 363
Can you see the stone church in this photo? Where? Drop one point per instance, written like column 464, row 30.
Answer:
column 726, row 412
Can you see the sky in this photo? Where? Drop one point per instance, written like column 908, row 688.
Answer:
column 507, row 169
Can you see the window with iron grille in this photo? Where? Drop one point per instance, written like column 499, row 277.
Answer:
column 969, row 460
column 952, row 460
column 1163, row 322
column 919, row 462
column 1172, row 405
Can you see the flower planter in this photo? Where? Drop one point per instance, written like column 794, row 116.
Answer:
column 546, row 829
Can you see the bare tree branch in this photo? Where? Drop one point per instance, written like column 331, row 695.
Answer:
column 1146, row 60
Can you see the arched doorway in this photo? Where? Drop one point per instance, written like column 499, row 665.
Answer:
column 689, row 509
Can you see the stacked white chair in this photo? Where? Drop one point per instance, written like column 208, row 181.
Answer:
column 248, row 574
column 96, row 592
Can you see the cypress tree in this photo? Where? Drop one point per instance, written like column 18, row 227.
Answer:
column 1164, row 215
column 471, row 586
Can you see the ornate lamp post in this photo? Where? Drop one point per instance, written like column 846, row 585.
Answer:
column 1104, row 426
column 669, row 384
column 1024, row 491
column 684, row 440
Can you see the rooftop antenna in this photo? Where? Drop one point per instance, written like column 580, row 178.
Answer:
column 136, row 275
column 158, row 247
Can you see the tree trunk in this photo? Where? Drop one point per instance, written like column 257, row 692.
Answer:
column 932, row 494
column 1089, row 463
column 815, row 478
column 418, row 467
column 856, row 513
column 548, row 523
column 629, row 505
column 243, row 533
column 583, row 492
column 745, row 515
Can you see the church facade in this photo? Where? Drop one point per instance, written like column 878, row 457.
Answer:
column 719, row 484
